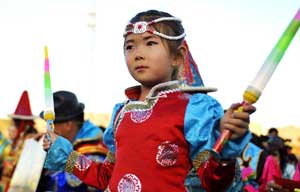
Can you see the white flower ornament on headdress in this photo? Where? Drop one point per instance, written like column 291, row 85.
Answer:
column 143, row 26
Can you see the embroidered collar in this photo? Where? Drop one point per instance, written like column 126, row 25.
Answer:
column 133, row 93
column 135, row 106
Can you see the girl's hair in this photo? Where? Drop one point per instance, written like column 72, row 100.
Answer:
column 171, row 28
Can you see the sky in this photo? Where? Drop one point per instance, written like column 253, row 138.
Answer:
column 229, row 40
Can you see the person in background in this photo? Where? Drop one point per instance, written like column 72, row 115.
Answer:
column 290, row 166
column 272, row 186
column 291, row 170
column 85, row 137
column 275, row 162
column 22, row 128
column 296, row 176
column 273, row 132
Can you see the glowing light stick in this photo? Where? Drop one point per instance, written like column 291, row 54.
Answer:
column 49, row 114
column 254, row 90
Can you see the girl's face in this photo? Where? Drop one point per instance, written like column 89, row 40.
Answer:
column 148, row 60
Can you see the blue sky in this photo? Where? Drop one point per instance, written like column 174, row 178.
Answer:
column 229, row 40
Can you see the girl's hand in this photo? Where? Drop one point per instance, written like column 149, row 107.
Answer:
column 46, row 142
column 237, row 122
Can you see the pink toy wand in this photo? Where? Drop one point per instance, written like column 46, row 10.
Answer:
column 209, row 165
column 49, row 114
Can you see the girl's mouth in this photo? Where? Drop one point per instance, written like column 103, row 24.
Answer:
column 140, row 67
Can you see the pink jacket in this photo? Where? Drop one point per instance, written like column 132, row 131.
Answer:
column 271, row 169
column 296, row 176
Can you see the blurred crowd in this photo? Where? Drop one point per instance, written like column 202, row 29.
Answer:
column 266, row 158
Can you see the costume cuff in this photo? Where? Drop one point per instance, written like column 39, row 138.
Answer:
column 71, row 161
column 200, row 158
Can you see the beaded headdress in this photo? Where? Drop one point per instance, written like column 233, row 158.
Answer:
column 143, row 26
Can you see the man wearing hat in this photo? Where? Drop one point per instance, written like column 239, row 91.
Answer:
column 84, row 135
column 22, row 128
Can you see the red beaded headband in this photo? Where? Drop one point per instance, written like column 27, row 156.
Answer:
column 143, row 26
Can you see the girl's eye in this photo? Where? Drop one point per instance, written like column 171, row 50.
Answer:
column 150, row 43
column 128, row 47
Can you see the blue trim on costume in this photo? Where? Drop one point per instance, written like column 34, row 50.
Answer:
column 108, row 136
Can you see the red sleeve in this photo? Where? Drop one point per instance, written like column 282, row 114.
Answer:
column 214, row 174
column 95, row 174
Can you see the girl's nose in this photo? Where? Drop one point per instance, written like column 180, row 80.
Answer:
column 138, row 58
column 138, row 54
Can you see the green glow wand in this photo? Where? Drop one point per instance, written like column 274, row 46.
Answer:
column 49, row 114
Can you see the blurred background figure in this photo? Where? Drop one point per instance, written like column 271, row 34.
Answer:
column 296, row 176
column 290, row 167
column 280, row 163
column 272, row 132
column 83, row 134
column 22, row 128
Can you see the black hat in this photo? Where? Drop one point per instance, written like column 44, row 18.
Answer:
column 66, row 106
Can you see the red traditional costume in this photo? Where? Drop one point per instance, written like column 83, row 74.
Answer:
column 152, row 144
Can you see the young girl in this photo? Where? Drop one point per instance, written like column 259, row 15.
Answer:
column 156, row 135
